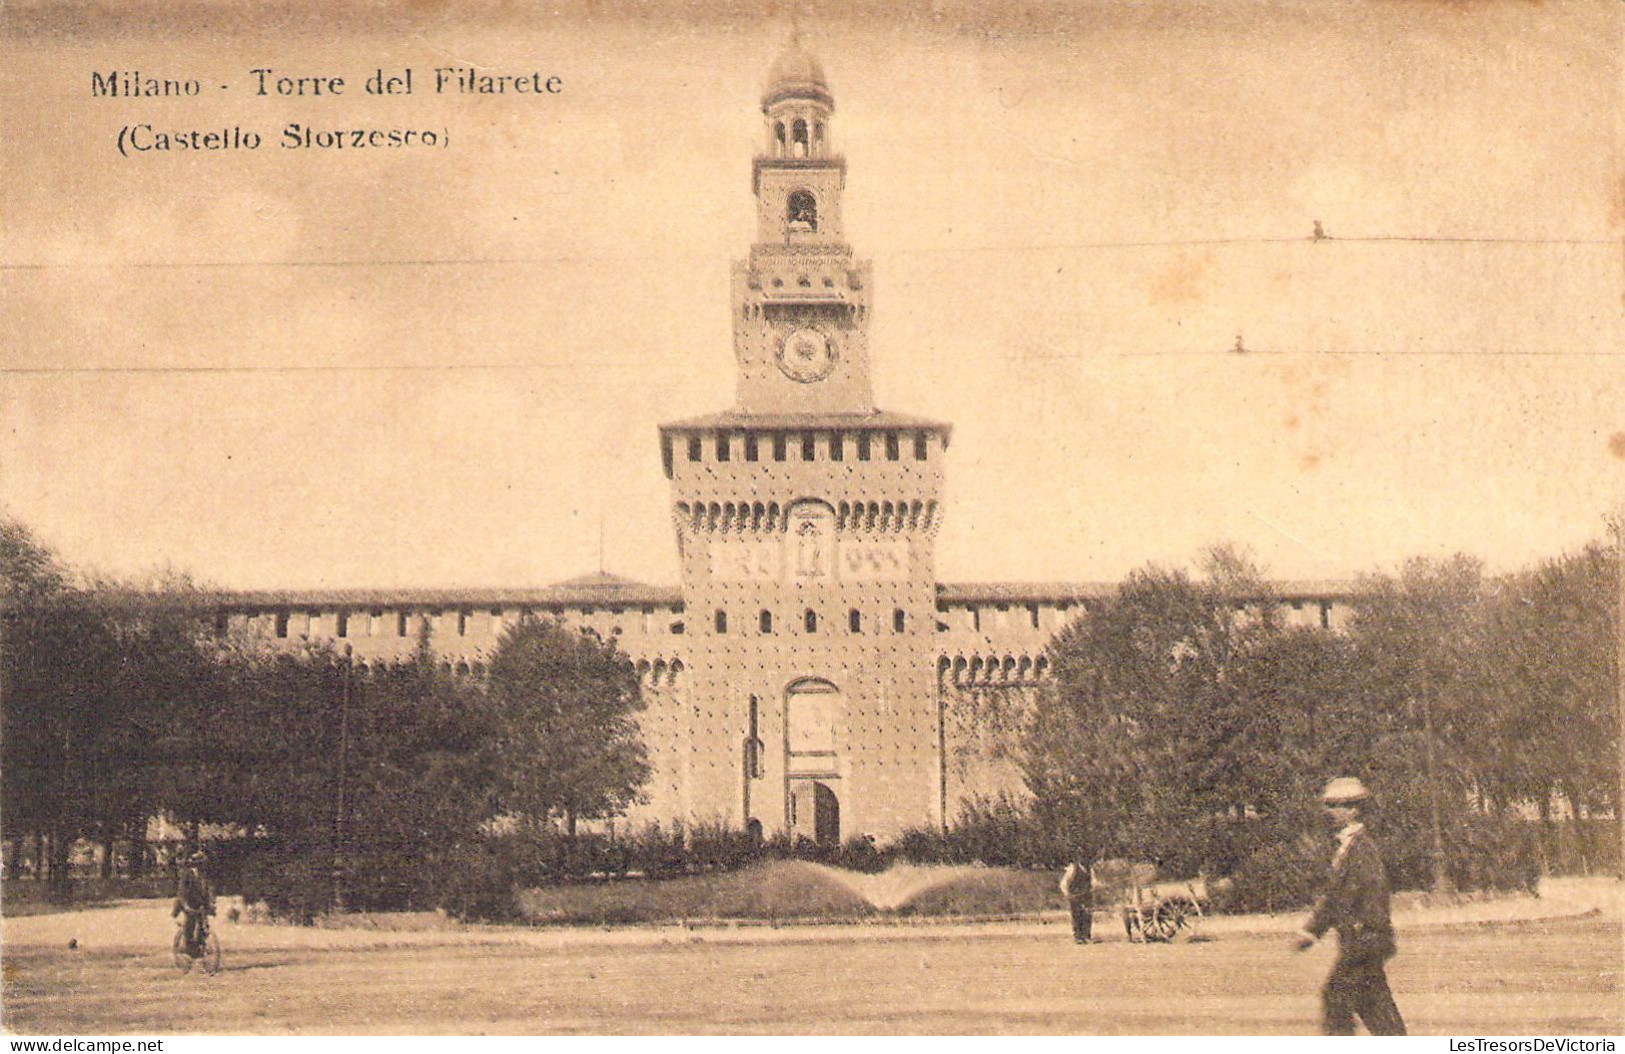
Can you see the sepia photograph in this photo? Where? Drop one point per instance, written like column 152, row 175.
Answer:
column 805, row 518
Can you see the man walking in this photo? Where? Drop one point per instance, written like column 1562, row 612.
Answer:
column 1356, row 905
column 1077, row 886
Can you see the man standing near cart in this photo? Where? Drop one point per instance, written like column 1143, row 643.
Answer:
column 1077, row 886
column 1356, row 905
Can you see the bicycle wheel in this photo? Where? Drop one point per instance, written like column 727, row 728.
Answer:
column 210, row 960
column 183, row 955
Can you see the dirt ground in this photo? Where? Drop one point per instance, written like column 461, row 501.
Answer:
column 1549, row 966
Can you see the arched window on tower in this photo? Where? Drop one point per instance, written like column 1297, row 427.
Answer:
column 854, row 621
column 810, row 620
column 766, row 621
column 801, row 211
column 798, row 138
column 818, row 139
column 778, row 137
column 722, row 621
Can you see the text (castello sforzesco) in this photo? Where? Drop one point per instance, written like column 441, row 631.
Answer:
column 164, row 134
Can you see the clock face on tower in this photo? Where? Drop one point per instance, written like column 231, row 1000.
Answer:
column 807, row 355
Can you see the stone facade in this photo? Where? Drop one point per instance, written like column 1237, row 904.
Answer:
column 809, row 674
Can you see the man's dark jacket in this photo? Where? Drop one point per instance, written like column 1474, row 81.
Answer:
column 193, row 895
column 1356, row 903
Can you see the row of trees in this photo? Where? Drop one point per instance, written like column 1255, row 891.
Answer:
column 1188, row 722
column 119, row 705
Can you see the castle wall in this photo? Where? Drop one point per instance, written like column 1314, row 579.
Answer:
column 924, row 720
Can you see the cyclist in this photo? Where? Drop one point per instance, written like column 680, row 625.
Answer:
column 195, row 897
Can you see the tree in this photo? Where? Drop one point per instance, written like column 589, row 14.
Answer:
column 1155, row 738
column 1418, row 638
column 86, row 670
column 50, row 649
column 159, row 628
column 421, row 777
column 92, row 677
column 1548, row 681
column 29, row 571
column 568, row 744
column 348, row 787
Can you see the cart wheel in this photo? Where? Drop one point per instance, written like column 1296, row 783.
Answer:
column 183, row 956
column 1175, row 914
column 1158, row 928
column 210, row 960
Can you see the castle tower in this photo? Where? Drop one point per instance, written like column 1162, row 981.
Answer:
column 806, row 522
column 802, row 302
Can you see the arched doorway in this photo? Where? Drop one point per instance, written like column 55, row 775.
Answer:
column 826, row 816
column 815, row 812
column 812, row 707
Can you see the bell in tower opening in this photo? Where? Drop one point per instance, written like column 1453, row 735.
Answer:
column 803, row 211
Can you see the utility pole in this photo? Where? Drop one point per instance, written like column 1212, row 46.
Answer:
column 1441, row 881
column 344, row 761
column 1619, row 673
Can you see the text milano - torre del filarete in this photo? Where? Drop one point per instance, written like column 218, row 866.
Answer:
column 810, row 674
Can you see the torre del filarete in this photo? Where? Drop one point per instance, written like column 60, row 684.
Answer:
column 810, row 673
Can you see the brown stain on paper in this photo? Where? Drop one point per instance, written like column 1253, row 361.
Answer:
column 1182, row 281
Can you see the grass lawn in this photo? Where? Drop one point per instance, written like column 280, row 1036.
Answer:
column 783, row 889
column 25, row 897
column 791, row 890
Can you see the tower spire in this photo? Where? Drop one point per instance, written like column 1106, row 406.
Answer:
column 796, row 10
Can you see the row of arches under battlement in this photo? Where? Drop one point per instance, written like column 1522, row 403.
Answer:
column 655, row 673
column 962, row 671
column 884, row 516
column 660, row 673
column 459, row 665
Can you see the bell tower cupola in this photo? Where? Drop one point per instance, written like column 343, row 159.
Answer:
column 797, row 105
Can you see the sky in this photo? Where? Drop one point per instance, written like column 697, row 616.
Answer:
column 446, row 367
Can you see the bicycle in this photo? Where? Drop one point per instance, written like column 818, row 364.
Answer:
column 205, row 953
